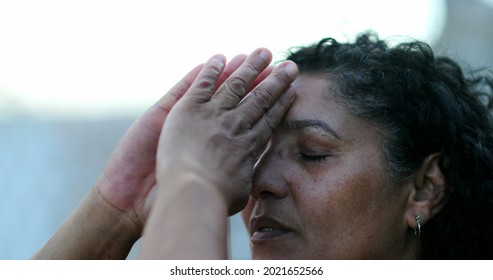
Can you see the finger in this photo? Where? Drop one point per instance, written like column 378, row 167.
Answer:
column 230, row 68
column 178, row 90
column 264, row 96
column 261, row 77
column 232, row 91
column 154, row 118
column 204, row 85
column 266, row 125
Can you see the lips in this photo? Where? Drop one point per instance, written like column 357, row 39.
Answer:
column 264, row 228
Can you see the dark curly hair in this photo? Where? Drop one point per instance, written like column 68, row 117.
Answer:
column 424, row 104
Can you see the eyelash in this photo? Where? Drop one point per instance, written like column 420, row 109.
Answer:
column 314, row 158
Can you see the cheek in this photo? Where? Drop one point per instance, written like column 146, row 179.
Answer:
column 356, row 193
column 311, row 195
column 325, row 200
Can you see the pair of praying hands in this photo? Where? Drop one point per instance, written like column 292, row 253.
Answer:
column 183, row 166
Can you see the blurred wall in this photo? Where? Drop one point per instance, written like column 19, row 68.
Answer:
column 46, row 168
column 468, row 33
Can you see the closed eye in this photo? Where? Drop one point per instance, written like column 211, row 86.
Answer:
column 315, row 158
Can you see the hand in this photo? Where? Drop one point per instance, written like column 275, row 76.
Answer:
column 216, row 133
column 111, row 217
column 128, row 180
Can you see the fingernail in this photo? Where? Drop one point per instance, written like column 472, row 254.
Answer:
column 218, row 60
column 265, row 54
column 291, row 69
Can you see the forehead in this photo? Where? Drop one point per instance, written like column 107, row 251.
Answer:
column 317, row 100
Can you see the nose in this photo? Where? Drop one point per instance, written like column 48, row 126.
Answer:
column 269, row 178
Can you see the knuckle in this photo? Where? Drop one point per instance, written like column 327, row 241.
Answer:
column 236, row 86
column 273, row 85
column 234, row 124
column 257, row 145
column 251, row 70
column 271, row 121
column 210, row 78
column 262, row 100
column 278, row 80
column 206, row 82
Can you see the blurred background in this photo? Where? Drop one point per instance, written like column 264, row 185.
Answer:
column 75, row 74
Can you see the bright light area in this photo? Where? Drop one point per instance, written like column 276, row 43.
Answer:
column 487, row 2
column 87, row 59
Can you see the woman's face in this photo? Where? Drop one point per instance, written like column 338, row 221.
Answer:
column 321, row 190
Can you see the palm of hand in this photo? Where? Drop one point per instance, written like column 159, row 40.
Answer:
column 128, row 180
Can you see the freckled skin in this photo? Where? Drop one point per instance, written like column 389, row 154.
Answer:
column 345, row 206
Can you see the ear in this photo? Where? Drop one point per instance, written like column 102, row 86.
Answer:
column 428, row 193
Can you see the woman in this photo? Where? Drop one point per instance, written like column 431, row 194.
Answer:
column 384, row 154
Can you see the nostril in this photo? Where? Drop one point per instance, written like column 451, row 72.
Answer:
column 266, row 194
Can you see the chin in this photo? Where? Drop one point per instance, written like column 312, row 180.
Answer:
column 274, row 254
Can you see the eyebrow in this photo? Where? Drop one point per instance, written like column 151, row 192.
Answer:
column 311, row 123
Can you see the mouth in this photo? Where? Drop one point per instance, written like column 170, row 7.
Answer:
column 264, row 229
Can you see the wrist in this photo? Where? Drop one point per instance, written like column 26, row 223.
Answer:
column 121, row 225
column 188, row 221
column 173, row 178
column 95, row 230
column 110, row 233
